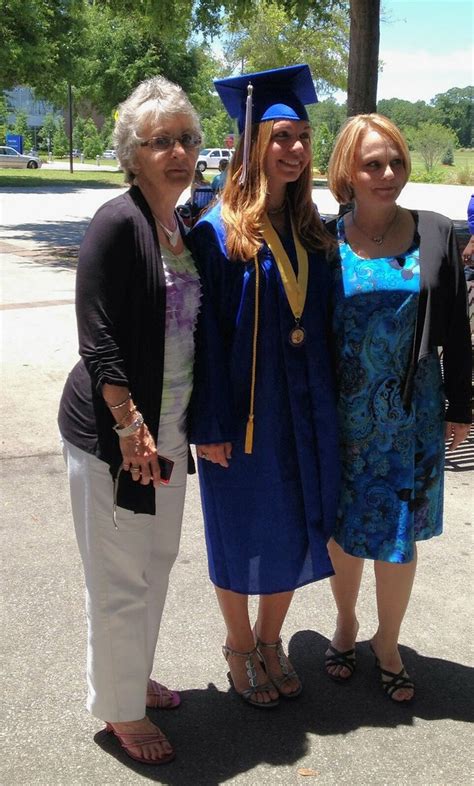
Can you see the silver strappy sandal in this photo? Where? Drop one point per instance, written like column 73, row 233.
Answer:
column 248, row 695
column 287, row 673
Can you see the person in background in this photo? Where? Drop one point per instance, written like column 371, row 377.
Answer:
column 400, row 294
column 201, row 195
column 199, row 181
column 263, row 410
column 219, row 180
column 123, row 411
column 468, row 252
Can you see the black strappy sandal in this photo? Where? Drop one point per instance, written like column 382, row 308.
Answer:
column 346, row 659
column 391, row 681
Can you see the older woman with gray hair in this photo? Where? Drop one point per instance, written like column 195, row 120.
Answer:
column 122, row 416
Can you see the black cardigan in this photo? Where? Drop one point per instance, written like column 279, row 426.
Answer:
column 121, row 309
column 442, row 318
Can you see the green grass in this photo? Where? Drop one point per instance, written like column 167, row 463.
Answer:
column 36, row 178
column 461, row 171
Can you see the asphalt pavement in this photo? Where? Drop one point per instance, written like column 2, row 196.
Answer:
column 342, row 735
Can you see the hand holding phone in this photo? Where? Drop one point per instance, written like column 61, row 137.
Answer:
column 166, row 468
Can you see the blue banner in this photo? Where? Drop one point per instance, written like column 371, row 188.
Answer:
column 15, row 141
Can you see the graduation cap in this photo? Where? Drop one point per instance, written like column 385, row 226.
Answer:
column 277, row 94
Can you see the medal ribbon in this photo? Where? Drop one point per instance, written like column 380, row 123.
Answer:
column 295, row 286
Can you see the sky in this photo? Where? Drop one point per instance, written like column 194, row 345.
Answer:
column 426, row 48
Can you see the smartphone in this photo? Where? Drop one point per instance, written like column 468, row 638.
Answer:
column 166, row 468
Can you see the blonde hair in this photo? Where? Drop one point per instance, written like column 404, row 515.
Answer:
column 341, row 167
column 243, row 206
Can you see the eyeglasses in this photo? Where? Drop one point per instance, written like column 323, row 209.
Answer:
column 165, row 142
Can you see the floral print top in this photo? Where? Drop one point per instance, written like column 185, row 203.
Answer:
column 393, row 460
column 183, row 297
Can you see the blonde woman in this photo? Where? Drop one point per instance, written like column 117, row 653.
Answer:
column 400, row 294
column 264, row 418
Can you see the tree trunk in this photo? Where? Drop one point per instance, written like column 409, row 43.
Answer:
column 363, row 56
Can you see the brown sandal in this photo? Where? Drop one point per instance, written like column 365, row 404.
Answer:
column 248, row 695
column 130, row 740
column 286, row 673
column 160, row 698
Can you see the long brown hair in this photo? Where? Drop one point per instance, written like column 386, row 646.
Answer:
column 243, row 206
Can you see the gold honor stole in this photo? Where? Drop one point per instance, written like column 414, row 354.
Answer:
column 295, row 288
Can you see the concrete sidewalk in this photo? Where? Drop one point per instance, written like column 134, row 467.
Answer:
column 349, row 735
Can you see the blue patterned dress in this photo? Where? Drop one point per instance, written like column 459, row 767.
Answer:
column 393, row 461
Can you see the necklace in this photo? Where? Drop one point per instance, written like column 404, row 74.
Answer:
column 173, row 235
column 274, row 211
column 378, row 239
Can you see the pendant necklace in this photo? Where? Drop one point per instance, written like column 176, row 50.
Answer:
column 173, row 235
column 378, row 239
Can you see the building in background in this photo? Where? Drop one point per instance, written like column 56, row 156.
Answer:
column 22, row 99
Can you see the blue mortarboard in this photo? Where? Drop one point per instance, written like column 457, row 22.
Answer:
column 278, row 94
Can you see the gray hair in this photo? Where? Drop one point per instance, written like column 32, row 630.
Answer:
column 154, row 100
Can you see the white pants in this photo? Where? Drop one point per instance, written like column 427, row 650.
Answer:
column 126, row 573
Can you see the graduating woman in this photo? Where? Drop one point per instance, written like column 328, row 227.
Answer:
column 264, row 418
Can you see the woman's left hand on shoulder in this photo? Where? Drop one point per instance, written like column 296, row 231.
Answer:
column 455, row 433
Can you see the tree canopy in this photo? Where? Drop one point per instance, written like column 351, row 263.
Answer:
column 41, row 43
column 103, row 48
column 455, row 110
column 273, row 37
column 452, row 109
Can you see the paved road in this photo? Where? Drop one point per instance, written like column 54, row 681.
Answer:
column 349, row 735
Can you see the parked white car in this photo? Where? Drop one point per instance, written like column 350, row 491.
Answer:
column 211, row 156
column 10, row 158
column 109, row 154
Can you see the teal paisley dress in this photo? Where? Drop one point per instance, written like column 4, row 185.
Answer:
column 392, row 460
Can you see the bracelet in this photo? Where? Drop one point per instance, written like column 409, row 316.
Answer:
column 128, row 412
column 122, row 403
column 127, row 431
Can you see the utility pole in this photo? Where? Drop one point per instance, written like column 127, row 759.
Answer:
column 69, row 95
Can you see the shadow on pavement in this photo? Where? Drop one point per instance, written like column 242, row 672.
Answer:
column 39, row 185
column 56, row 243
column 217, row 736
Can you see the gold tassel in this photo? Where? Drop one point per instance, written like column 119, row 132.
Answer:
column 250, row 421
column 249, row 435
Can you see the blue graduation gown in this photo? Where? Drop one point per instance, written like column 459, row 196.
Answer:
column 269, row 515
